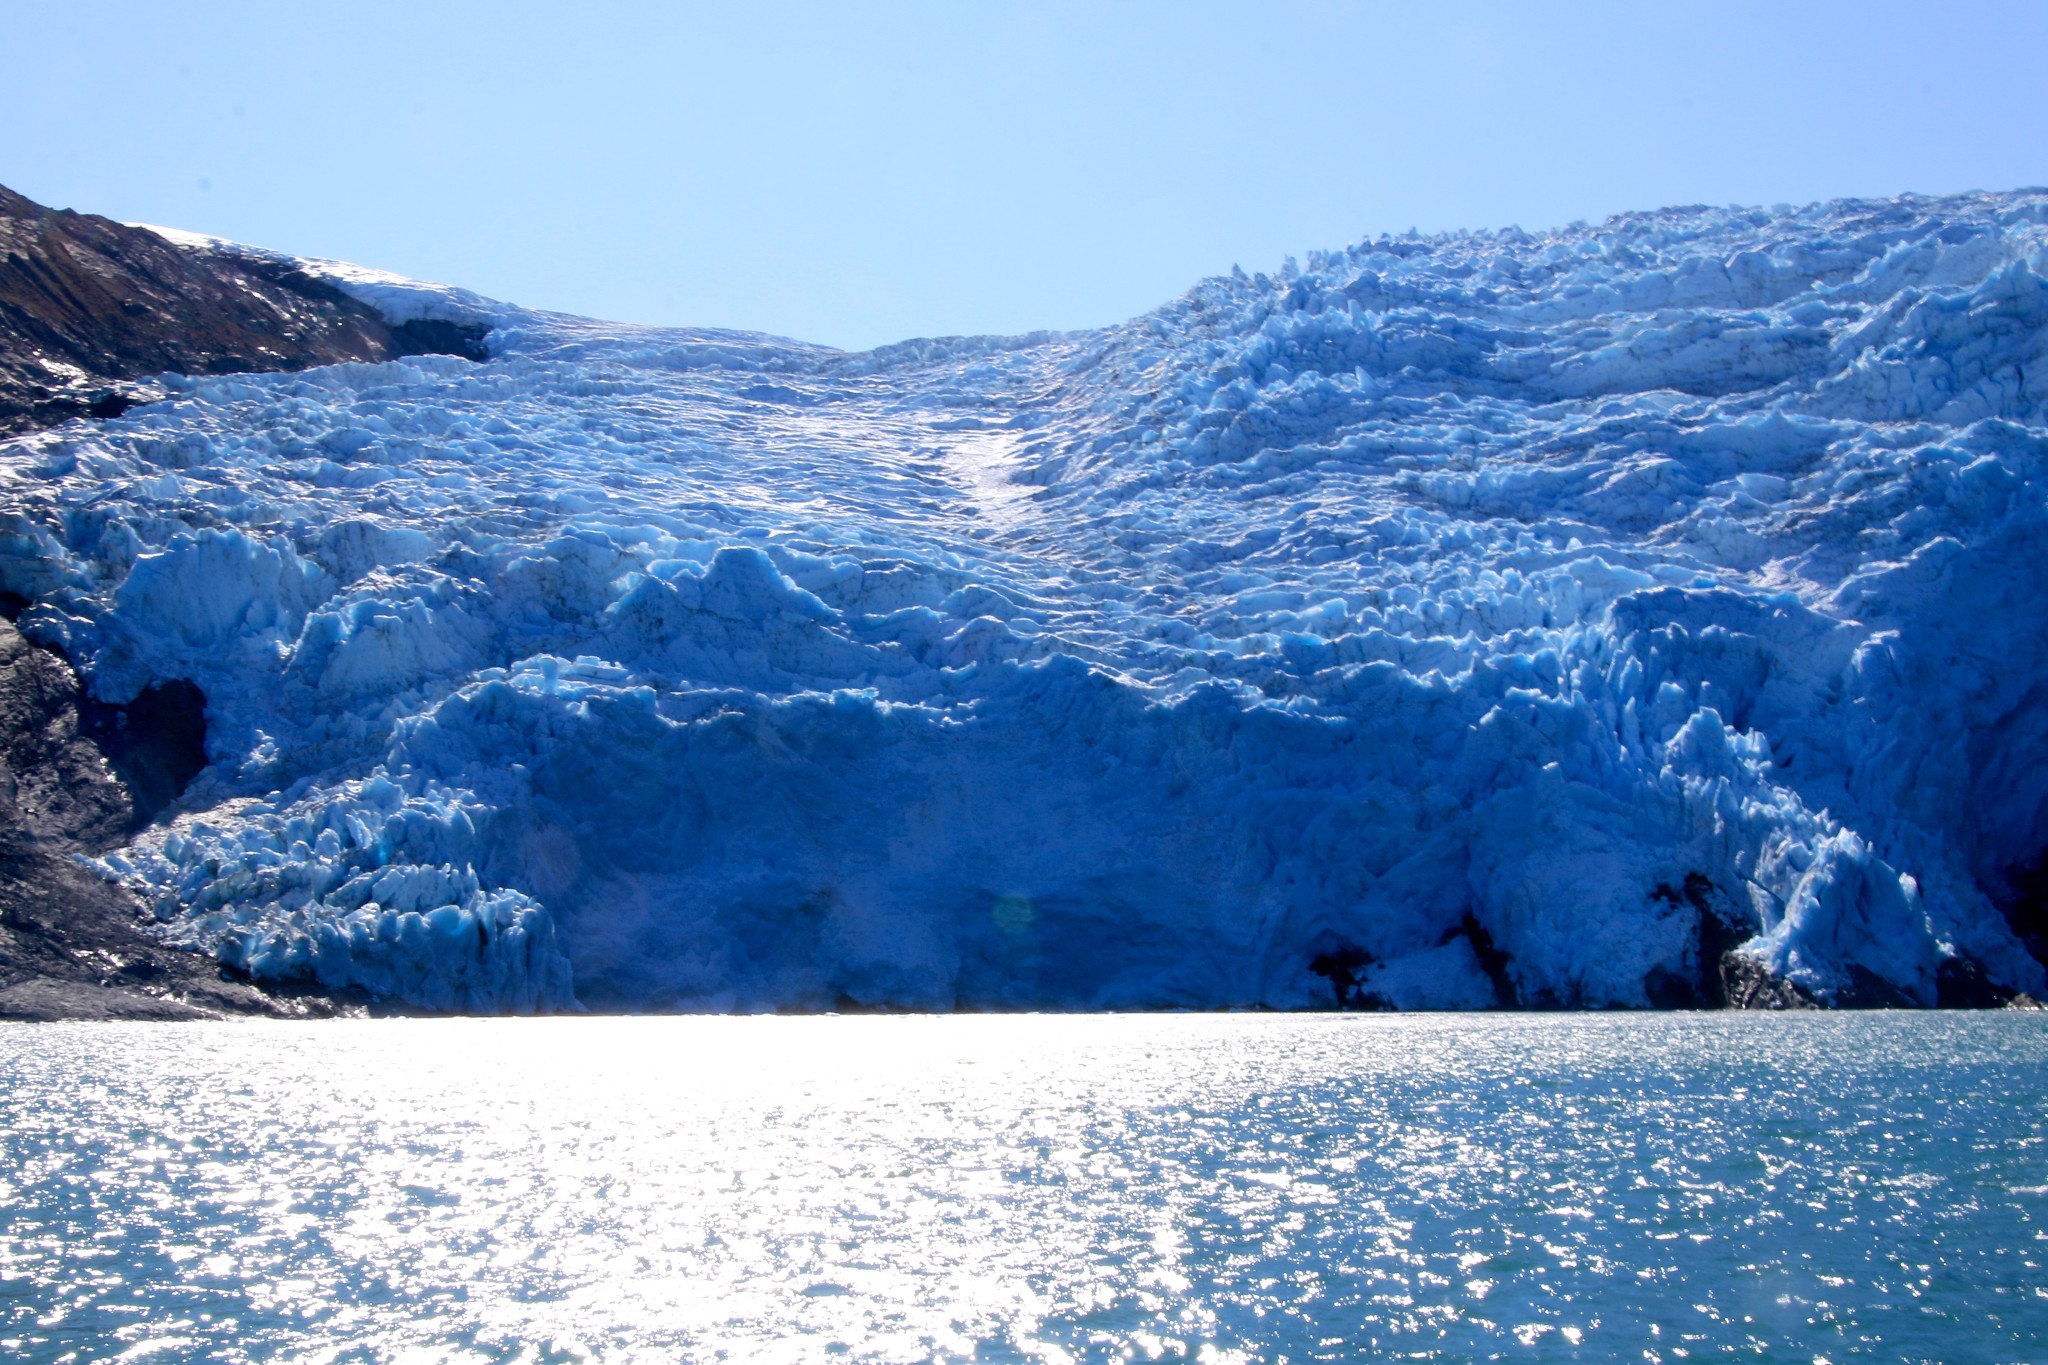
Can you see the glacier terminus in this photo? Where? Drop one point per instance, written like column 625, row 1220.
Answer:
column 1652, row 612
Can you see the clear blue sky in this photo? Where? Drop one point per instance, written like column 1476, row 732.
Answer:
column 861, row 172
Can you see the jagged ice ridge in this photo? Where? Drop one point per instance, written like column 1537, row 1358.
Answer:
column 1493, row 615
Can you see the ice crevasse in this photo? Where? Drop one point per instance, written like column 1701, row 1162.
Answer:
column 1587, row 618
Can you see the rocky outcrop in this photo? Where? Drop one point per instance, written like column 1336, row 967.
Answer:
column 71, row 945
column 91, row 308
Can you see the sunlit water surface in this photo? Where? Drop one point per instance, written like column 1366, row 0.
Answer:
column 1028, row 1188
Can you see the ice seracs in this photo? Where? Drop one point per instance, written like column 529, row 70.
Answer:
column 1492, row 618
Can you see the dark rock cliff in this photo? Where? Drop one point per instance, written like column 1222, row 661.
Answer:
column 89, row 307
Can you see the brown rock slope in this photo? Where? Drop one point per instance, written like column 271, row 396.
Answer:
column 88, row 306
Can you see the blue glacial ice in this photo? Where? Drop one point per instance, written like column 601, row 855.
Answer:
column 1495, row 616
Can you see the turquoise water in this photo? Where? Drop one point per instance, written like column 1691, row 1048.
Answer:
column 1043, row 1188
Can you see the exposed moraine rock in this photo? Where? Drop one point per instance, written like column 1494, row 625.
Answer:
column 91, row 308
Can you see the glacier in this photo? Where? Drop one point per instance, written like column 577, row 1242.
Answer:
column 1494, row 618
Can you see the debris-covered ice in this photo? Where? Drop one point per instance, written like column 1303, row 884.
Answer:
column 1443, row 622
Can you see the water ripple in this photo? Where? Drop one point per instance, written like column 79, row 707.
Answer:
column 1213, row 1188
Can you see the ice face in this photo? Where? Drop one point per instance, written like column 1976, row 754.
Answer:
column 1451, row 621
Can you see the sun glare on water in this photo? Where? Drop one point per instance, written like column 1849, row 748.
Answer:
column 1190, row 1187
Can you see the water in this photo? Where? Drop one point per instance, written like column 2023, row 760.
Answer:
column 1203, row 1187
